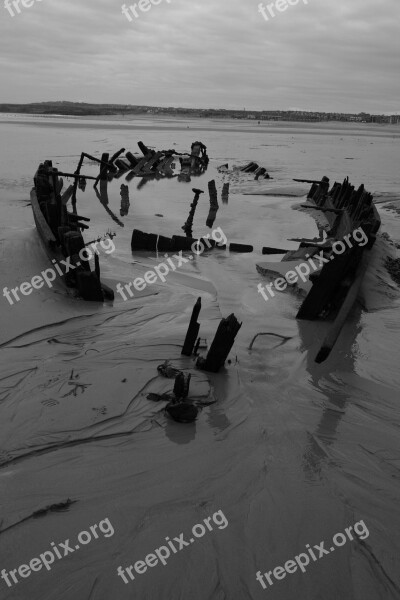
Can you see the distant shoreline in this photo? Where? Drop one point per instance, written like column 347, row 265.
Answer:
column 85, row 110
column 193, row 123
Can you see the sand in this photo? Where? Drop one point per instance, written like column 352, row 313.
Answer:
column 291, row 452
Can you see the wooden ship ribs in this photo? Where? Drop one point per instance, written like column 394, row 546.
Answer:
column 60, row 230
column 338, row 260
column 159, row 163
column 61, row 234
column 336, row 284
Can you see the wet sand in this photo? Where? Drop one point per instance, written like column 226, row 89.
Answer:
column 292, row 452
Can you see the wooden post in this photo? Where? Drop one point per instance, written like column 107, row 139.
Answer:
column 212, row 188
column 212, row 215
column 181, row 387
column 103, row 167
column 115, row 156
column 187, row 227
column 225, row 193
column 97, row 265
column 57, row 197
column 77, row 172
column 221, row 346
column 192, row 331
column 145, row 150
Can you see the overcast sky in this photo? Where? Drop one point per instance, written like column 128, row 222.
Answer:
column 330, row 55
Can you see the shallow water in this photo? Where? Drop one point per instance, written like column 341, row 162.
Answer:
column 292, row 452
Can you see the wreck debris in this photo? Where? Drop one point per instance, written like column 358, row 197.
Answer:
column 214, row 206
column 167, row 371
column 251, row 167
column 337, row 280
column 180, row 408
column 271, row 250
column 159, row 243
column 221, row 345
column 193, row 330
column 182, row 412
column 240, row 248
column 225, row 193
column 258, row 171
column 188, row 226
column 181, row 387
column 61, row 232
column 124, row 210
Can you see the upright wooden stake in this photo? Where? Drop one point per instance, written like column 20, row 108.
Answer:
column 193, row 330
column 221, row 346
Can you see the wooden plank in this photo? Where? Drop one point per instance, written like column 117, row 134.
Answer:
column 41, row 224
column 147, row 169
column 142, row 162
column 327, row 284
column 344, row 311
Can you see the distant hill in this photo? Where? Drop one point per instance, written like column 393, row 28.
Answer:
column 80, row 109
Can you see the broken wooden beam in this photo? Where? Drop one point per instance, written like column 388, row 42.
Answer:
column 181, row 386
column 75, row 175
column 104, row 165
column 193, row 330
column 221, row 345
column 188, row 226
column 225, row 193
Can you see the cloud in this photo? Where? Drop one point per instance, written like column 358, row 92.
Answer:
column 324, row 55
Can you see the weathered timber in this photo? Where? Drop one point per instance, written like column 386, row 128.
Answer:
column 344, row 310
column 270, row 250
column 145, row 150
column 182, row 412
column 75, row 175
column 122, row 165
column 225, row 193
column 240, row 248
column 67, row 195
column 192, row 331
column 116, row 155
column 260, row 171
column 250, row 167
column 104, row 166
column 151, row 164
column 132, row 159
column 141, row 164
column 181, row 386
column 221, row 345
column 188, row 226
column 314, row 181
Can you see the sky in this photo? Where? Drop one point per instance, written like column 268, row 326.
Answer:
column 326, row 55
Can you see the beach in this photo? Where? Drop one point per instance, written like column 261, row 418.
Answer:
column 292, row 452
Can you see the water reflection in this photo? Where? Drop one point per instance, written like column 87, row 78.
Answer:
column 124, row 210
column 336, row 398
column 102, row 197
column 180, row 433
